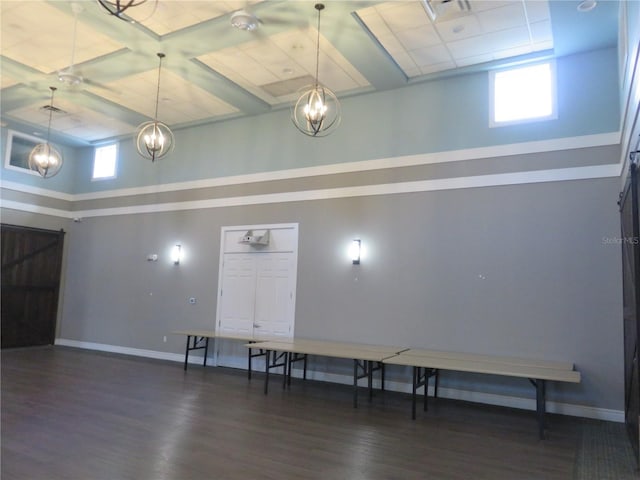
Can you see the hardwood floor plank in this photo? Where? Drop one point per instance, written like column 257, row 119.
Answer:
column 76, row 414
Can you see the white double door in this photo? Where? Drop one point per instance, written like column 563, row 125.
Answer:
column 257, row 294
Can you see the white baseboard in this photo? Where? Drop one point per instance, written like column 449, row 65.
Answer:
column 452, row 393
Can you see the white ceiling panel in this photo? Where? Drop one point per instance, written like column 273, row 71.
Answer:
column 457, row 37
column 47, row 45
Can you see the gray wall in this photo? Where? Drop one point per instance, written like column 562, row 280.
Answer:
column 528, row 270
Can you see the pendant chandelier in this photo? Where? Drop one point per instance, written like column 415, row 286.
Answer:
column 45, row 158
column 317, row 112
column 118, row 7
column 155, row 139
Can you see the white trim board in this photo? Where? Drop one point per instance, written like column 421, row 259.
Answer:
column 501, row 179
column 477, row 397
column 523, row 148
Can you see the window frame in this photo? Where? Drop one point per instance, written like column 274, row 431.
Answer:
column 115, row 145
column 554, row 95
column 8, row 165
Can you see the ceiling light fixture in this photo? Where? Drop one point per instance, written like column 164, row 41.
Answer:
column 45, row 158
column 155, row 139
column 244, row 20
column 118, row 7
column 317, row 111
column 587, row 5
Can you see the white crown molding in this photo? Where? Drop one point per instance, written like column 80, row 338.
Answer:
column 466, row 395
column 502, row 179
column 541, row 146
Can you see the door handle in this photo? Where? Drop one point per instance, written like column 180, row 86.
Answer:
column 255, row 325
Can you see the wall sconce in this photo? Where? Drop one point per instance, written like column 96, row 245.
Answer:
column 176, row 254
column 354, row 251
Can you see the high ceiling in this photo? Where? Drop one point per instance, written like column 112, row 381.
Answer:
column 213, row 71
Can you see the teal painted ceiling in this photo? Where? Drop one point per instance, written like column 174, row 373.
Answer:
column 213, row 71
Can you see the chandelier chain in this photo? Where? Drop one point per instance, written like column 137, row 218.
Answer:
column 53, row 90
column 161, row 56
column 319, row 7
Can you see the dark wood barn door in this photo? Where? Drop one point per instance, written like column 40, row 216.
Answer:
column 630, row 241
column 31, row 267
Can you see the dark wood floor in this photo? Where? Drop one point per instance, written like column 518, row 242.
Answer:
column 74, row 414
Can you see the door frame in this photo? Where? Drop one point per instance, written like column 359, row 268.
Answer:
column 241, row 229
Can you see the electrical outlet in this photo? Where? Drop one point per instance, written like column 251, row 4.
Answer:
column 164, row 339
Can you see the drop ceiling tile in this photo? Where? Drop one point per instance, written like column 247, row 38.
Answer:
column 438, row 67
column 512, row 52
column 537, row 11
column 391, row 44
column 475, row 60
column 469, row 47
column 511, row 38
column 459, row 28
column 482, row 5
column 413, row 72
column 541, row 32
column 423, row 36
column 502, row 18
column 431, row 56
column 404, row 15
column 405, row 62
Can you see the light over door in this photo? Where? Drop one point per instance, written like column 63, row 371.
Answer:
column 275, row 307
column 237, row 305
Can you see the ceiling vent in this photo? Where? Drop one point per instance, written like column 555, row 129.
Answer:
column 439, row 10
column 47, row 108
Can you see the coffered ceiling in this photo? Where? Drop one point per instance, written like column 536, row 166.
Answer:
column 213, row 71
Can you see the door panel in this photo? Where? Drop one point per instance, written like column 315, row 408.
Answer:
column 237, row 305
column 31, row 268
column 274, row 294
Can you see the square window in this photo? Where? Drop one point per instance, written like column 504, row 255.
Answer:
column 523, row 94
column 104, row 162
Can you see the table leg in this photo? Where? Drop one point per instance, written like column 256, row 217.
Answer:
column 540, row 405
column 266, row 371
column 416, row 374
column 186, row 353
column 369, row 366
column 355, row 383
column 426, row 390
column 206, row 351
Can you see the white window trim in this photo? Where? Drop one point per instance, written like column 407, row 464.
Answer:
column 554, row 97
column 7, row 156
column 115, row 169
